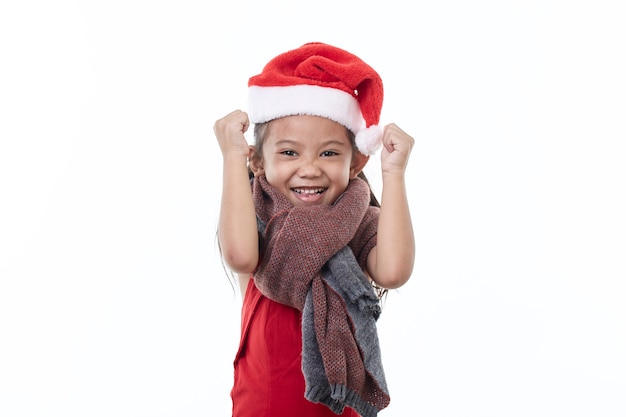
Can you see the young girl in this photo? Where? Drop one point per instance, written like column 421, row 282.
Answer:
column 305, row 241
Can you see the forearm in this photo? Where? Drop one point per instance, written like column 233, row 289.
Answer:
column 237, row 234
column 395, row 249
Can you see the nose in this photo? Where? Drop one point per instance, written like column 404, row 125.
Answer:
column 309, row 168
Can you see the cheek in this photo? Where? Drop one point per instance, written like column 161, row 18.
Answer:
column 272, row 174
column 346, row 171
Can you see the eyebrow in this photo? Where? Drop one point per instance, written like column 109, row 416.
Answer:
column 335, row 142
column 283, row 142
column 331, row 142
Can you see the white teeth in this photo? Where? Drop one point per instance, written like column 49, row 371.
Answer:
column 308, row 190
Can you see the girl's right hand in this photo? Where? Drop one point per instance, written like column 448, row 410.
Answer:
column 229, row 131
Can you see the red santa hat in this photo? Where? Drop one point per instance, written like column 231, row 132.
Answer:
column 320, row 80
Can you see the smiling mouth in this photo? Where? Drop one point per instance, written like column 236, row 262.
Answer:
column 308, row 191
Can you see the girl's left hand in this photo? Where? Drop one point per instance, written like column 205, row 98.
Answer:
column 397, row 145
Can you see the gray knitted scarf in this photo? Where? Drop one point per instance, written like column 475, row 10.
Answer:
column 312, row 259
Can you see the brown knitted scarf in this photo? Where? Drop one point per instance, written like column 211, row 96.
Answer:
column 297, row 245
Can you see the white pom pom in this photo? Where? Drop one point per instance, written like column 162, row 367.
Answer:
column 369, row 140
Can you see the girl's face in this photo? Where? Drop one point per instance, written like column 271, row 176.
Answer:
column 309, row 159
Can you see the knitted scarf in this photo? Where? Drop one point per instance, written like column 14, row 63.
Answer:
column 312, row 259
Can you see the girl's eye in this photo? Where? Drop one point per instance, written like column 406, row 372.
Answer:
column 329, row 153
column 288, row 153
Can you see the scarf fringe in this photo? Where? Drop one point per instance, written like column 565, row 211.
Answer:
column 338, row 397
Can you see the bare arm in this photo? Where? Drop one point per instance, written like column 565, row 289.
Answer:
column 390, row 262
column 237, row 231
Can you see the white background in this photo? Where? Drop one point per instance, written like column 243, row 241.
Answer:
column 113, row 300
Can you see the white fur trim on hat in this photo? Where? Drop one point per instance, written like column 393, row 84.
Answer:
column 268, row 103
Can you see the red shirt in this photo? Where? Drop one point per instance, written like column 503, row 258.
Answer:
column 268, row 365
